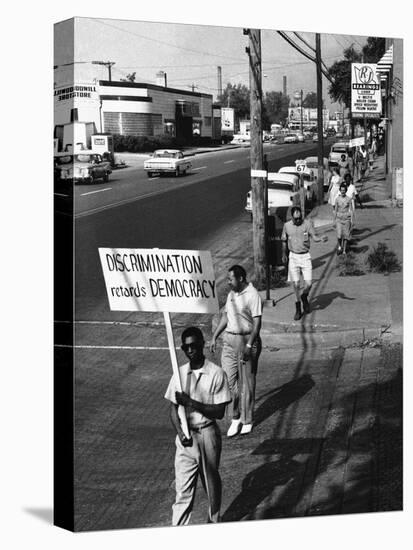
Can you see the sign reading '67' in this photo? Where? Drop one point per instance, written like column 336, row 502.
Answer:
column 365, row 90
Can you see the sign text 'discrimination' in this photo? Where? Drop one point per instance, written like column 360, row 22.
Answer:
column 159, row 280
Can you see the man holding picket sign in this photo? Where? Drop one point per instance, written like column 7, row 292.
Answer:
column 179, row 281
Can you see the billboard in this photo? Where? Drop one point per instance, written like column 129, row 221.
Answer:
column 227, row 119
column 365, row 90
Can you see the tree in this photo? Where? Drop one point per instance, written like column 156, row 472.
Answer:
column 374, row 49
column 237, row 96
column 275, row 108
column 129, row 78
column 310, row 101
column 340, row 71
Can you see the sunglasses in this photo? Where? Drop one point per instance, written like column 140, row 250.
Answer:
column 186, row 347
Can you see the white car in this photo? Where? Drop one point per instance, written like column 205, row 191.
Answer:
column 338, row 149
column 167, row 161
column 282, row 192
column 301, row 138
column 291, row 138
column 310, row 182
column 312, row 162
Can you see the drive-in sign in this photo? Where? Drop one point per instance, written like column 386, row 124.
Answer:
column 365, row 90
column 159, row 280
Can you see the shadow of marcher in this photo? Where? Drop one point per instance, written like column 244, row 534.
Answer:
column 282, row 397
column 324, row 300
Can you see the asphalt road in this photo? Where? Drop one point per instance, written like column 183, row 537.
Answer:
column 133, row 211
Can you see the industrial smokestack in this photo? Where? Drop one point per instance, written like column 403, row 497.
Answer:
column 219, row 74
column 161, row 79
column 284, row 85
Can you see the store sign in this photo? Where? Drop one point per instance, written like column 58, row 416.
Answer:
column 227, row 119
column 159, row 280
column 365, row 90
column 82, row 91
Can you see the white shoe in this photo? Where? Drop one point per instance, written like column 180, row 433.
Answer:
column 234, row 428
column 246, row 429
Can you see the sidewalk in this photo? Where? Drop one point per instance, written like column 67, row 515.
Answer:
column 349, row 309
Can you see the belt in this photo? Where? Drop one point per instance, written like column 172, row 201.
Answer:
column 199, row 428
column 238, row 333
column 306, row 252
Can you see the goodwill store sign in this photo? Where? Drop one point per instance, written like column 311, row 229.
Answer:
column 159, row 280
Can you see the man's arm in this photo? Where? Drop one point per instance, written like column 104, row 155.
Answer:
column 223, row 321
column 317, row 238
column 256, row 327
column 284, row 246
column 176, row 423
column 210, row 411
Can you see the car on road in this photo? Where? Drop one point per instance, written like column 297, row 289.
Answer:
column 337, row 149
column 301, row 138
column 81, row 167
column 309, row 181
column 291, row 138
column 315, row 138
column 282, row 192
column 167, row 161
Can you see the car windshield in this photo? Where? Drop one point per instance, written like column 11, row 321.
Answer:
column 67, row 159
column 166, row 155
column 280, row 185
column 83, row 158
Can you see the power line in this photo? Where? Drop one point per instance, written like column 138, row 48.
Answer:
column 165, row 43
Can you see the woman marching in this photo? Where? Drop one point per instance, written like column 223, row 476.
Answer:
column 343, row 217
column 334, row 188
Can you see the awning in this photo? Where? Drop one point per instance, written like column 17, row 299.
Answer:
column 385, row 64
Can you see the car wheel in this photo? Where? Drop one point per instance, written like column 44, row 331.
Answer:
column 177, row 172
column 149, row 174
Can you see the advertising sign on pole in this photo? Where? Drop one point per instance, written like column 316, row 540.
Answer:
column 227, row 119
column 365, row 90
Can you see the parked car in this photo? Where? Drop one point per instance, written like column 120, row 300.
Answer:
column 339, row 134
column 315, row 138
column 301, row 138
column 337, row 149
column 241, row 139
column 282, row 192
column 82, row 167
column 167, row 161
column 291, row 138
column 309, row 181
column 312, row 163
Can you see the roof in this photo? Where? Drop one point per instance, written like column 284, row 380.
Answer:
column 286, row 178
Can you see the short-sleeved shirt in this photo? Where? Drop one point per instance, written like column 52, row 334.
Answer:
column 343, row 207
column 241, row 308
column 298, row 236
column 351, row 190
column 208, row 385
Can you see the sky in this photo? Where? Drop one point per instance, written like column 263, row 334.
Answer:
column 190, row 55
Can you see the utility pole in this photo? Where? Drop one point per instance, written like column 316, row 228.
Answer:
column 301, row 112
column 108, row 64
column 320, row 178
column 257, row 158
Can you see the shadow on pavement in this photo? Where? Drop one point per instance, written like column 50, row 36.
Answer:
column 324, row 300
column 282, row 397
column 345, row 471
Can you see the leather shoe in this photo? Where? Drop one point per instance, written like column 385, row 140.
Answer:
column 234, row 427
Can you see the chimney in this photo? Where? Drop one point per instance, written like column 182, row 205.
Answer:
column 161, row 79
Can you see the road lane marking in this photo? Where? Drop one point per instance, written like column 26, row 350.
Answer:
column 142, row 348
column 229, row 161
column 199, row 168
column 61, row 195
column 97, row 191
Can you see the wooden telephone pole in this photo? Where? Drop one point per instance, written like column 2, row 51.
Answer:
column 257, row 158
column 320, row 178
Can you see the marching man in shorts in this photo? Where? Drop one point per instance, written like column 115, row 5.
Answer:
column 296, row 236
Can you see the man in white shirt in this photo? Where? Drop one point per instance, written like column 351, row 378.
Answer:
column 205, row 395
column 241, row 321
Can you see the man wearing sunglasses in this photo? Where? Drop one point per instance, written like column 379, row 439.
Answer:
column 205, row 395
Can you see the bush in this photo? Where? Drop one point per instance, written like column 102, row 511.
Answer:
column 348, row 266
column 382, row 260
column 138, row 144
